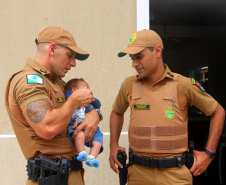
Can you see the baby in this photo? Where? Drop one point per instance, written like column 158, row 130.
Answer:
column 96, row 143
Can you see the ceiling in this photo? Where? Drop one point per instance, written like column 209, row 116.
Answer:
column 188, row 12
column 181, row 23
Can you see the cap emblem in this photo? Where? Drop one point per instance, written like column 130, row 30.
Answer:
column 132, row 38
column 120, row 87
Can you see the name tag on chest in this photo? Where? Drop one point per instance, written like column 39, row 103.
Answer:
column 60, row 100
column 141, row 106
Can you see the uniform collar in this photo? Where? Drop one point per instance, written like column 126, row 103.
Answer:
column 37, row 66
column 167, row 73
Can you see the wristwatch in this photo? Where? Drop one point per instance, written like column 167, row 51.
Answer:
column 211, row 154
column 99, row 114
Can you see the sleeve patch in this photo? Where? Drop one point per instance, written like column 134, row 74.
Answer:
column 194, row 82
column 34, row 79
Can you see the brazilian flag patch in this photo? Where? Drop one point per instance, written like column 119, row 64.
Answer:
column 141, row 106
column 34, row 79
column 60, row 100
column 194, row 82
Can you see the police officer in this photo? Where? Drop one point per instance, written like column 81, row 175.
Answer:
column 38, row 112
column 158, row 100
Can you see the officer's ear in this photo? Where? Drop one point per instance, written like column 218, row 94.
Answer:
column 158, row 50
column 52, row 49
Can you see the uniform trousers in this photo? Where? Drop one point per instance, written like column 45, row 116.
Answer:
column 75, row 178
column 140, row 175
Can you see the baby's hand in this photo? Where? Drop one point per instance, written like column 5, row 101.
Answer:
column 75, row 125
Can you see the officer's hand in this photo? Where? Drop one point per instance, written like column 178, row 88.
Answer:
column 113, row 157
column 201, row 162
column 90, row 125
column 83, row 97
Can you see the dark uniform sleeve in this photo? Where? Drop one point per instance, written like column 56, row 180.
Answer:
column 202, row 100
column 121, row 102
column 25, row 93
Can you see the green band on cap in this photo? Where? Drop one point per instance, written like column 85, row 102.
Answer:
column 81, row 56
column 122, row 54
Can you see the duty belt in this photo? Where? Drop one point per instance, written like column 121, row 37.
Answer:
column 157, row 163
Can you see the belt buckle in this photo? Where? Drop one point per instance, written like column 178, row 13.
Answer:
column 161, row 163
column 154, row 163
column 146, row 162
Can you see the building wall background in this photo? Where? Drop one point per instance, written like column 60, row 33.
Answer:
column 102, row 28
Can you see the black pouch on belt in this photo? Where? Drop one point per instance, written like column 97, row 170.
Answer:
column 33, row 172
column 190, row 157
column 121, row 156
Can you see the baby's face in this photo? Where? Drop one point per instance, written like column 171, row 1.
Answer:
column 82, row 85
